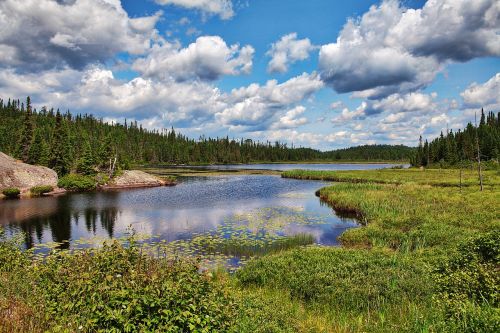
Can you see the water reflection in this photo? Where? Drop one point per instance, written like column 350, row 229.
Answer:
column 196, row 205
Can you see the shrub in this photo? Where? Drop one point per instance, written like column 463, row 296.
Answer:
column 118, row 289
column 75, row 182
column 469, row 285
column 37, row 191
column 11, row 193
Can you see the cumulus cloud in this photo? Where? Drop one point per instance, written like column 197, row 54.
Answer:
column 223, row 8
column 96, row 90
column 254, row 106
column 46, row 34
column 391, row 49
column 397, row 105
column 292, row 118
column 287, row 51
column 485, row 95
column 207, row 59
column 160, row 103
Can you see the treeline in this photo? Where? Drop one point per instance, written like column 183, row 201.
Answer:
column 372, row 153
column 462, row 146
column 86, row 144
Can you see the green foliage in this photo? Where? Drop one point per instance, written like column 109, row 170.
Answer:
column 61, row 157
column 11, row 192
column 469, row 285
column 61, row 141
column 117, row 290
column 112, row 289
column 372, row 153
column 75, row 182
column 37, row 191
column 27, row 132
column 86, row 163
column 455, row 148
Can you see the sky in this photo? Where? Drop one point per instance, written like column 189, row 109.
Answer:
column 320, row 73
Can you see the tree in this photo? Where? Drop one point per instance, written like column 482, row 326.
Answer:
column 39, row 150
column 86, row 162
column 60, row 160
column 27, row 133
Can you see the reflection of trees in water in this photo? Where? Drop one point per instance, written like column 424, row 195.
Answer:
column 60, row 221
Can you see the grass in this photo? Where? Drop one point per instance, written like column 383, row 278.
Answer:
column 37, row 191
column 427, row 260
column 11, row 193
column 433, row 177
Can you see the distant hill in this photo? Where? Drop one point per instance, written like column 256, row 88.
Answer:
column 372, row 153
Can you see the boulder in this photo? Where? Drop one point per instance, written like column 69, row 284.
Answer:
column 135, row 178
column 14, row 173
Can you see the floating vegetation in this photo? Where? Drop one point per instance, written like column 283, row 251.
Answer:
column 239, row 238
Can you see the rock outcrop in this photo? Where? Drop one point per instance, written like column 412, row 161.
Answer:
column 136, row 178
column 14, row 173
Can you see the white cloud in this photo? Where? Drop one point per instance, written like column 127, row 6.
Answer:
column 286, row 51
column 394, row 50
column 44, row 34
column 207, row 58
column 485, row 95
column 255, row 105
column 336, row 105
column 223, row 8
column 397, row 105
column 291, row 119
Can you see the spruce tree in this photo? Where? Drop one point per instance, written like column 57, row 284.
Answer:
column 86, row 163
column 27, row 132
column 60, row 159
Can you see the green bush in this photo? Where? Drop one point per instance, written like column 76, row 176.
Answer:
column 11, row 192
column 37, row 191
column 114, row 289
column 469, row 285
column 75, row 182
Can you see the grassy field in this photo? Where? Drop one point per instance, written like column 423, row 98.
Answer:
column 427, row 260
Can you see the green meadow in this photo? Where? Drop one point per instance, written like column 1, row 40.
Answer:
column 427, row 259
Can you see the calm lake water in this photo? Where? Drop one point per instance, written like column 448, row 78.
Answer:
column 312, row 166
column 201, row 205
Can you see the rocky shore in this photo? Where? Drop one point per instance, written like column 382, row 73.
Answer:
column 14, row 173
column 135, row 179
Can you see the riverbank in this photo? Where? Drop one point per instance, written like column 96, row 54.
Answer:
column 426, row 261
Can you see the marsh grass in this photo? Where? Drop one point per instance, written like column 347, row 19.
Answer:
column 433, row 177
column 427, row 259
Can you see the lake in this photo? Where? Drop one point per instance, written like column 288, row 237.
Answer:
column 249, row 206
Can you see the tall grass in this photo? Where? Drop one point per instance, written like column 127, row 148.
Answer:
column 434, row 177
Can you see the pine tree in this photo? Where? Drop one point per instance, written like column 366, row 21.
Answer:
column 60, row 160
column 86, row 163
column 27, row 133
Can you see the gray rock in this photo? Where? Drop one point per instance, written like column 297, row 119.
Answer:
column 135, row 178
column 14, row 173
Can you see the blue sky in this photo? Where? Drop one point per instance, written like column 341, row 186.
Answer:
column 325, row 74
